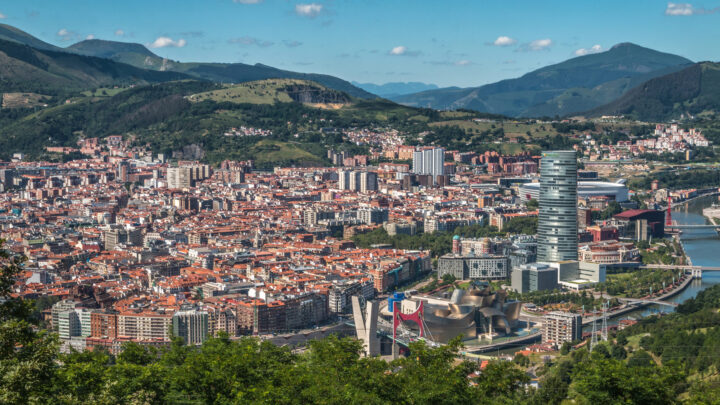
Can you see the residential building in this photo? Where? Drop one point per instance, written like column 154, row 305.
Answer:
column 191, row 325
column 560, row 327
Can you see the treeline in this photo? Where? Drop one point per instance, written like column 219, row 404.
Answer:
column 439, row 243
column 541, row 298
column 570, row 127
column 638, row 283
column 680, row 179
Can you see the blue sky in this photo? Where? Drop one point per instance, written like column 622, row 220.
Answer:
column 449, row 42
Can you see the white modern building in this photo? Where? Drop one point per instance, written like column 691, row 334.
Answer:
column 585, row 189
column 429, row 161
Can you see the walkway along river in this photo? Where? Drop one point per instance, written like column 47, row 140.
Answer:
column 703, row 248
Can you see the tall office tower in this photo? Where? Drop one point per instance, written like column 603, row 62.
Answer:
column 557, row 238
column 429, row 161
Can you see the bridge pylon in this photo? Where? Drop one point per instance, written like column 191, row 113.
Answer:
column 696, row 272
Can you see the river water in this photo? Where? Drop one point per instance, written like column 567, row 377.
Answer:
column 703, row 248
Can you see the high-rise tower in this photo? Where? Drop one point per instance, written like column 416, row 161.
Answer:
column 557, row 219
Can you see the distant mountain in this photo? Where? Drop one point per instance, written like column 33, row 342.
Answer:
column 132, row 54
column 692, row 91
column 27, row 69
column 139, row 56
column 395, row 89
column 10, row 33
column 565, row 88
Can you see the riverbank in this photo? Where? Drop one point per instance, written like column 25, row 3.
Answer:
column 697, row 197
column 634, row 306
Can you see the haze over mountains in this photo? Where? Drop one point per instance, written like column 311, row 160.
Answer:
column 572, row 86
column 395, row 89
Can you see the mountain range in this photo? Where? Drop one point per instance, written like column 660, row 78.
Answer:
column 395, row 89
column 566, row 88
column 693, row 91
column 625, row 80
column 27, row 69
column 139, row 57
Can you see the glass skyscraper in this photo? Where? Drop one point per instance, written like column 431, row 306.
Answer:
column 557, row 219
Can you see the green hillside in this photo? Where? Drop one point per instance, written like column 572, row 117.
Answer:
column 26, row 69
column 273, row 91
column 694, row 91
column 133, row 54
column 190, row 118
column 10, row 33
column 561, row 89
column 139, row 56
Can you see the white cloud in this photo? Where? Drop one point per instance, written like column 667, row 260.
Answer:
column 540, row 44
column 119, row 33
column 504, row 41
column 2, row 16
column 163, row 42
column 66, row 35
column 402, row 51
column 90, row 36
column 463, row 62
column 593, row 49
column 536, row 45
column 398, row 50
column 248, row 1
column 310, row 10
column 685, row 9
column 250, row 41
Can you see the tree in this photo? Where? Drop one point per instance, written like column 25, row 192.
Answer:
column 532, row 204
column 618, row 352
column 641, row 358
column 521, row 360
column 565, row 348
column 27, row 356
column 602, row 380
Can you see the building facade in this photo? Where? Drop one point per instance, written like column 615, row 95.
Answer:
column 557, row 219
column 429, row 161
column 191, row 325
column 483, row 267
column 560, row 327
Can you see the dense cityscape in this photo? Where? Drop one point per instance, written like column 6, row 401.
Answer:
column 201, row 232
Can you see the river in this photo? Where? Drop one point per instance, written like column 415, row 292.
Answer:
column 703, row 248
